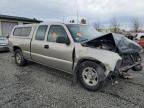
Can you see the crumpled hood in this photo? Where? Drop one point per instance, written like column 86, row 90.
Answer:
column 126, row 45
column 123, row 44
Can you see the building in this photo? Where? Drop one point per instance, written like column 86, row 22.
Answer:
column 8, row 22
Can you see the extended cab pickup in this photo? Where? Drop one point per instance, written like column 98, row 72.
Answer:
column 66, row 47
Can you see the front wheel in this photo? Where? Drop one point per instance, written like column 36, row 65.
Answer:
column 90, row 75
column 19, row 58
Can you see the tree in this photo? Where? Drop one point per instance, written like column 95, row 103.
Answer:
column 136, row 24
column 83, row 21
column 98, row 25
column 114, row 25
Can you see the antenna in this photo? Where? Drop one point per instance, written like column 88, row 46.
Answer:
column 63, row 19
column 77, row 12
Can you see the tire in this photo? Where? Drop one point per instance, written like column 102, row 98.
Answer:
column 137, row 68
column 19, row 58
column 91, row 75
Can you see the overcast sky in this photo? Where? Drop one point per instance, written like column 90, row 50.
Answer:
column 93, row 10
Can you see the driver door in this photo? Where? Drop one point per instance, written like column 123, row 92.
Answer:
column 59, row 54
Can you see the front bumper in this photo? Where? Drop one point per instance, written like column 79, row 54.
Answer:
column 125, row 68
column 119, row 68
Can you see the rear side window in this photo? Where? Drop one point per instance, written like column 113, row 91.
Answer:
column 26, row 31
column 17, row 31
column 22, row 31
column 41, row 31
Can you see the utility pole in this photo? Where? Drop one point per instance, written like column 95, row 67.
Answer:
column 77, row 12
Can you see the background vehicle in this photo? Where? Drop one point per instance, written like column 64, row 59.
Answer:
column 77, row 49
column 140, row 41
column 139, row 35
column 3, row 44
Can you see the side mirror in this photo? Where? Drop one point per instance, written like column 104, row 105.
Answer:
column 63, row 40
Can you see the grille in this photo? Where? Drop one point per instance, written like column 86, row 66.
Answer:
column 130, row 59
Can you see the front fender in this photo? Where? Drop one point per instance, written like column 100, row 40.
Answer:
column 107, row 58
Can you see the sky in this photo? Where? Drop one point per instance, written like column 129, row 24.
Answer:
column 64, row 10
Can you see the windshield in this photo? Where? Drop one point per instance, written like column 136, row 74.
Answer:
column 82, row 33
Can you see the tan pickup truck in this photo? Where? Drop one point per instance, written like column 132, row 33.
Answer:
column 80, row 50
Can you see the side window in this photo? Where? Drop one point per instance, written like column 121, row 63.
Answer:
column 26, row 31
column 22, row 31
column 56, row 31
column 17, row 31
column 41, row 31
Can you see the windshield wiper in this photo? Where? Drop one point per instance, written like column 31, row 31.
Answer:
column 83, row 40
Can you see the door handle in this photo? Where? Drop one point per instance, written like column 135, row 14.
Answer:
column 46, row 46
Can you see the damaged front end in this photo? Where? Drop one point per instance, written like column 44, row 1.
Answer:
column 127, row 49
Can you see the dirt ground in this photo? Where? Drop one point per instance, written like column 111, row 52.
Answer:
column 36, row 86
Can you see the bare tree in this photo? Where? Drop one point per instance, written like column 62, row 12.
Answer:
column 98, row 25
column 136, row 24
column 114, row 25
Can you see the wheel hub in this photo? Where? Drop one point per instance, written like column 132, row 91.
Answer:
column 18, row 58
column 90, row 76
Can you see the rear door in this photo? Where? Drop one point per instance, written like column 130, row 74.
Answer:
column 37, row 44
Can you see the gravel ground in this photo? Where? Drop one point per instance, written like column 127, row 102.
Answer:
column 36, row 86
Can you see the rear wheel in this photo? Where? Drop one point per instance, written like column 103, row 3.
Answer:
column 90, row 75
column 19, row 58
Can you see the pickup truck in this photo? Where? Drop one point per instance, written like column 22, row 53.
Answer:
column 91, row 57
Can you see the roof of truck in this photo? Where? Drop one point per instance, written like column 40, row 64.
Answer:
column 61, row 23
column 48, row 23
